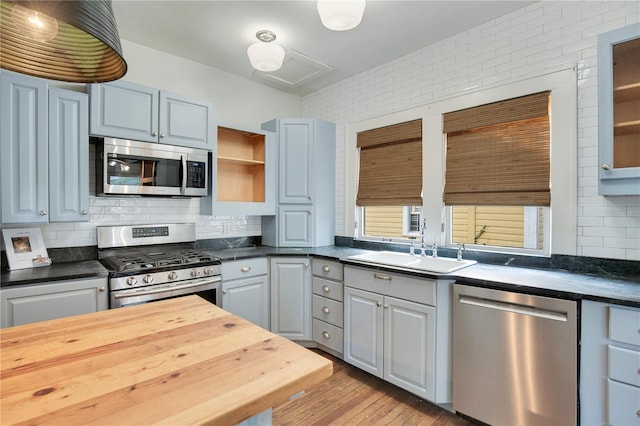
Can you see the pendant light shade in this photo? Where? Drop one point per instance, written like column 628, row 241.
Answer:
column 265, row 55
column 341, row 15
column 75, row 41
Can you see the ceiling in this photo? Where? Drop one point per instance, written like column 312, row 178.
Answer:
column 217, row 33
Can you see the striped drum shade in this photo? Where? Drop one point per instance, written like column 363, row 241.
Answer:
column 75, row 41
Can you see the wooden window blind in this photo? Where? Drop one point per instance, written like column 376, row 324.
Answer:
column 391, row 165
column 499, row 154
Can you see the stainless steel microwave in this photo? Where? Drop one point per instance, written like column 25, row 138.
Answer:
column 125, row 167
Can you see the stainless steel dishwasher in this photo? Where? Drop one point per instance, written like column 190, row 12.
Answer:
column 514, row 357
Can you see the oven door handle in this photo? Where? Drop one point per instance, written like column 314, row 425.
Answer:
column 183, row 174
column 163, row 289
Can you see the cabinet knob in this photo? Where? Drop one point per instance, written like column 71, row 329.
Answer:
column 385, row 306
column 224, row 291
column 101, row 289
column 154, row 134
column 326, row 289
column 245, row 268
column 162, row 135
column 378, row 304
column 325, row 335
column 306, row 265
column 326, row 268
column 605, row 166
column 325, row 310
column 84, row 212
column 43, row 212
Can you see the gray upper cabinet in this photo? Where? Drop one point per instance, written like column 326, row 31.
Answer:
column 44, row 147
column 127, row 110
column 305, row 215
column 619, row 111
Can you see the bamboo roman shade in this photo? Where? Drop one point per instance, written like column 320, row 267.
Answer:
column 391, row 165
column 499, row 154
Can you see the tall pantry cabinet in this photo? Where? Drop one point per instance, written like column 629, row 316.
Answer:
column 305, row 213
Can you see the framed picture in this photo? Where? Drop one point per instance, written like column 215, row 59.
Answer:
column 25, row 248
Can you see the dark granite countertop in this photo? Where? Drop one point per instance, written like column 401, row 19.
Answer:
column 559, row 284
column 544, row 282
column 54, row 272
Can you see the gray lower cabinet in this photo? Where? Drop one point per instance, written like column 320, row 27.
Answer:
column 245, row 290
column 121, row 109
column 44, row 145
column 290, row 280
column 327, row 306
column 45, row 301
column 305, row 215
column 390, row 336
column 609, row 364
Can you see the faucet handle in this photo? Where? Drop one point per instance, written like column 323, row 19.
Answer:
column 460, row 250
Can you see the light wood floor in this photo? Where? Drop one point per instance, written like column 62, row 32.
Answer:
column 353, row 397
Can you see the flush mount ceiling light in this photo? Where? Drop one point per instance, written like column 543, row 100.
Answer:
column 74, row 41
column 265, row 55
column 341, row 15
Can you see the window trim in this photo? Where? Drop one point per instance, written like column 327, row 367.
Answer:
column 563, row 211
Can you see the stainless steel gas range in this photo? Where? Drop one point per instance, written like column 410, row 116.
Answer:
column 147, row 263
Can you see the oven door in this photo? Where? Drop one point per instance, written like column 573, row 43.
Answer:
column 209, row 288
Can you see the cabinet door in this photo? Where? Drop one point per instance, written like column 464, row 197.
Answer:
column 124, row 110
column 185, row 121
column 619, row 111
column 24, row 149
column 409, row 346
column 291, row 298
column 248, row 298
column 295, row 226
column 363, row 330
column 27, row 304
column 68, row 156
column 295, row 161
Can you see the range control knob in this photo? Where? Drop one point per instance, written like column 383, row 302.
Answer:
column 195, row 273
column 132, row 281
column 208, row 271
column 148, row 279
column 173, row 275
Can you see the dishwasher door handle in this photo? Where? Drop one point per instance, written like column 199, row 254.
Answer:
column 512, row 307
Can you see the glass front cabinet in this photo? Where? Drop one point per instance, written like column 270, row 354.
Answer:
column 619, row 111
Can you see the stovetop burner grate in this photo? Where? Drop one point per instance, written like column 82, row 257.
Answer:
column 150, row 261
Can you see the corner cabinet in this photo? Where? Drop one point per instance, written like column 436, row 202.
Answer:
column 290, row 280
column 46, row 301
column 44, row 144
column 619, row 111
column 243, row 178
column 127, row 110
column 305, row 213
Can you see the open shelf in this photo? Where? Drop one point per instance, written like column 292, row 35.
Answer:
column 241, row 166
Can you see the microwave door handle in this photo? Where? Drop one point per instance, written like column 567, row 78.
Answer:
column 183, row 174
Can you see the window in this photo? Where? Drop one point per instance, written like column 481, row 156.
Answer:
column 390, row 180
column 498, row 172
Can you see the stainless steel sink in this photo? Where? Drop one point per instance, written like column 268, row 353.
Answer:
column 440, row 265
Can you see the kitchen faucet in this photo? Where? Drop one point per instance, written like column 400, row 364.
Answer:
column 460, row 250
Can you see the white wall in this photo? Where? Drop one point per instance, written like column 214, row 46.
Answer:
column 530, row 42
column 238, row 102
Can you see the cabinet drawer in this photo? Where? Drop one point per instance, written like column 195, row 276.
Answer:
column 624, row 404
column 420, row 290
column 328, row 310
column 328, row 335
column 624, row 365
column 244, row 268
column 624, row 325
column 330, row 269
column 326, row 288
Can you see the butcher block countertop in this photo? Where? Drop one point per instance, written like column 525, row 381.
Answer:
column 175, row 362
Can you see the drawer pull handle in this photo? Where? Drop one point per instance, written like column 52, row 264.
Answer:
column 326, row 268
column 325, row 335
column 326, row 289
column 325, row 310
column 245, row 268
column 382, row 277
